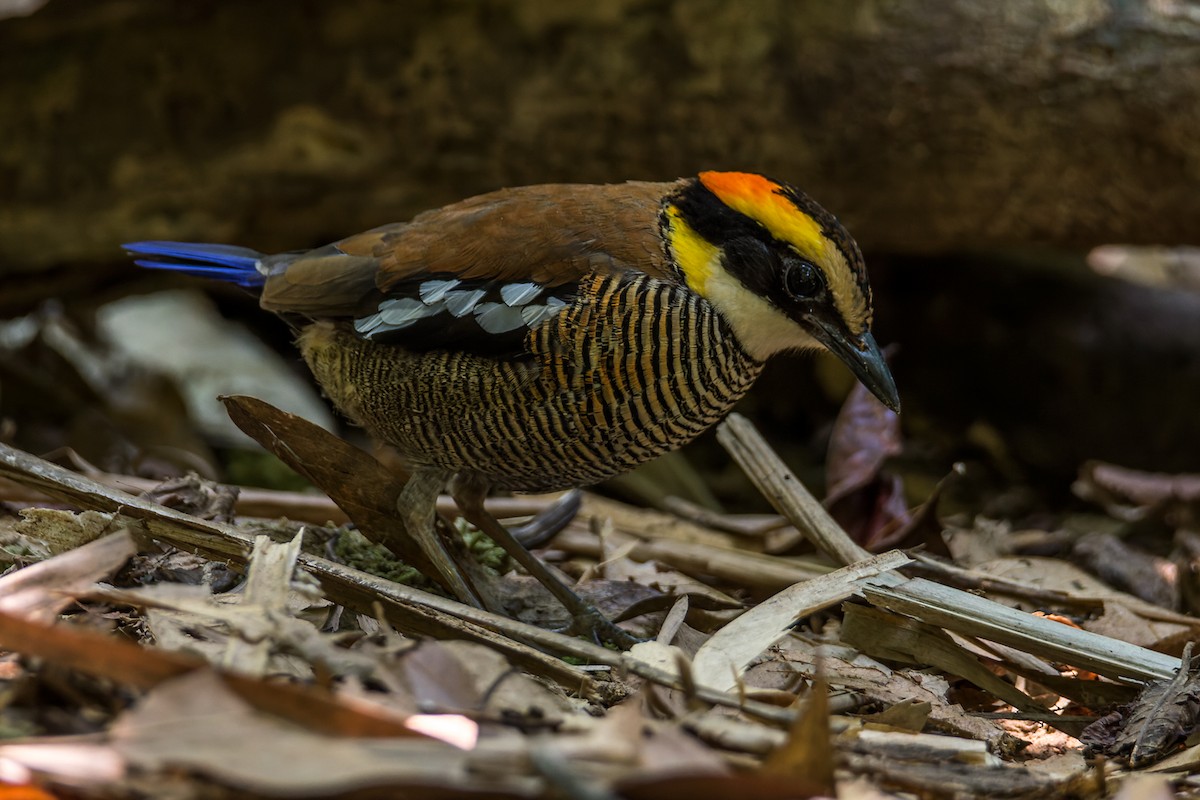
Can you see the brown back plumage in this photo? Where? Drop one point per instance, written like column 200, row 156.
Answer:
column 551, row 235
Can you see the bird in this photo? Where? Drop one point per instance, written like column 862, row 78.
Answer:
column 547, row 337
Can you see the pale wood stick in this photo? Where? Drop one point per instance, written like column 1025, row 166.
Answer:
column 785, row 491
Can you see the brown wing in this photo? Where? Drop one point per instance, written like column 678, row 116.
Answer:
column 550, row 235
column 320, row 283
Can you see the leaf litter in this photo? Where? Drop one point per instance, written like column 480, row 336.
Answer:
column 200, row 649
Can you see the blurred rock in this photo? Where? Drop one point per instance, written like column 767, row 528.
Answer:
column 181, row 334
column 19, row 8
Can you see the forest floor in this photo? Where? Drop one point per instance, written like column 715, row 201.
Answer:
column 193, row 638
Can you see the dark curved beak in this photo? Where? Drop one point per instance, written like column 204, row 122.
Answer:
column 864, row 358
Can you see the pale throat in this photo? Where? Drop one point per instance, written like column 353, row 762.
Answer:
column 762, row 329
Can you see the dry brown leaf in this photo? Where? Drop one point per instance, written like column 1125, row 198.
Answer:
column 658, row 655
column 665, row 749
column 357, row 482
column 184, row 632
column 808, row 751
column 1162, row 716
column 41, row 591
column 1064, row 767
column 197, row 496
column 213, row 732
column 700, row 595
column 865, row 435
column 846, row 669
column 613, row 741
column 145, row 667
column 909, row 715
column 1120, row 621
column 503, row 689
column 189, row 620
column 439, row 679
column 629, row 747
column 863, row 497
column 62, row 531
column 615, row 564
column 674, row 620
column 268, row 587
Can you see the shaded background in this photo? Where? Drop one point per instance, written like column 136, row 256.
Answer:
column 978, row 151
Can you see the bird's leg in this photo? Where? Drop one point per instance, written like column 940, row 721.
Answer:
column 469, row 495
column 417, row 506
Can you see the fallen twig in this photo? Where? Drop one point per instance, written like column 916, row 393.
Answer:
column 785, row 492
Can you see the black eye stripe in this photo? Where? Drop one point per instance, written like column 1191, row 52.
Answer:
column 754, row 262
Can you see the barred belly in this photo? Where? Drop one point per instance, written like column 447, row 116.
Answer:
column 633, row 368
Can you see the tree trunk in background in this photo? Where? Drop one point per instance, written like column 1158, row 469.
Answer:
column 932, row 127
column 929, row 125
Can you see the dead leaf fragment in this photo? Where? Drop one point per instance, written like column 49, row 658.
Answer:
column 808, row 750
column 197, row 496
column 361, row 486
column 214, row 733
column 41, row 591
column 866, row 499
column 1161, row 717
column 61, row 531
column 723, row 658
column 908, row 715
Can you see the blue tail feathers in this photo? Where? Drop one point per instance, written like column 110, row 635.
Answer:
column 222, row 262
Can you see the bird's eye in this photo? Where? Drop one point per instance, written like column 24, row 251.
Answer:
column 801, row 280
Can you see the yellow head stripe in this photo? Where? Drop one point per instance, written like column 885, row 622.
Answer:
column 696, row 257
column 760, row 199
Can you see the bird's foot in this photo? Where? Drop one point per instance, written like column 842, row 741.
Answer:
column 586, row 620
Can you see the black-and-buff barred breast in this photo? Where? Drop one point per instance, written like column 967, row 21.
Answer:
column 631, row 368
